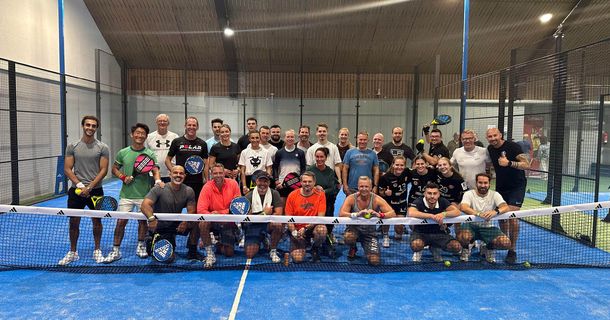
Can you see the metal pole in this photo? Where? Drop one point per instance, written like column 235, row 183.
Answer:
column 464, row 84
column 61, row 183
column 415, row 105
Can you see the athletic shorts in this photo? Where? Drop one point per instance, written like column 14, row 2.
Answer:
column 227, row 231
column 254, row 232
column 128, row 205
column 436, row 240
column 367, row 238
column 78, row 202
column 485, row 234
column 514, row 197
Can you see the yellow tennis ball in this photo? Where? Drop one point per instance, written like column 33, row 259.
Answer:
column 447, row 263
column 421, row 141
column 78, row 191
column 527, row 264
column 367, row 215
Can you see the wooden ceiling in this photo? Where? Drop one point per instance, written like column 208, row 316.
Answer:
column 338, row 36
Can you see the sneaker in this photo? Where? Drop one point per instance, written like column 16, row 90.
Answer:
column 487, row 254
column 113, row 256
column 242, row 242
column 141, row 250
column 386, row 241
column 416, row 256
column 194, row 255
column 465, row 254
column 70, row 257
column 315, row 254
column 213, row 238
column 351, row 255
column 436, row 254
column 98, row 256
column 274, row 257
column 210, row 260
column 511, row 257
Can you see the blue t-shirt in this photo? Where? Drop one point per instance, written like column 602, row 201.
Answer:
column 361, row 163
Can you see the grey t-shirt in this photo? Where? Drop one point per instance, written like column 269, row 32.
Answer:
column 168, row 200
column 276, row 200
column 87, row 159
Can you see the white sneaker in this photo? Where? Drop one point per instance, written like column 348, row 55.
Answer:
column 210, row 259
column 489, row 255
column 113, row 256
column 70, row 257
column 242, row 242
column 465, row 254
column 274, row 257
column 416, row 256
column 98, row 256
column 141, row 250
column 436, row 254
column 386, row 241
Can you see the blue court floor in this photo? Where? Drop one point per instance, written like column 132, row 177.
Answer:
column 478, row 294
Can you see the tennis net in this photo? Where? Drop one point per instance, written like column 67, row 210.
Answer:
column 38, row 237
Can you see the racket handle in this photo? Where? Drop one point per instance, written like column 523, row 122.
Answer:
column 286, row 259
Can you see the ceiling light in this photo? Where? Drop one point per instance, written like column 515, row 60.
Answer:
column 545, row 17
column 229, row 32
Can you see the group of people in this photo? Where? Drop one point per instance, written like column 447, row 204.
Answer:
column 385, row 181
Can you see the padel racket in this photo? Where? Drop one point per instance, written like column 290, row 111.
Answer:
column 239, row 205
column 383, row 166
column 143, row 164
column 194, row 165
column 162, row 249
column 440, row 120
column 292, row 181
column 105, row 203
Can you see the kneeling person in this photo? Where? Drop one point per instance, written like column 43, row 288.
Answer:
column 486, row 204
column 364, row 203
column 306, row 201
column 432, row 206
column 266, row 201
column 172, row 198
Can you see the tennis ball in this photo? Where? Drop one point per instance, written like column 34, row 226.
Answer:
column 527, row 264
column 367, row 215
column 78, row 191
column 447, row 263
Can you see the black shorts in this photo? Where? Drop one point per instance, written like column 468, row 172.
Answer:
column 227, row 231
column 301, row 243
column 367, row 237
column 436, row 240
column 78, row 202
column 514, row 197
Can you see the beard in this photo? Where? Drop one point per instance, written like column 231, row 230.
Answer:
column 482, row 190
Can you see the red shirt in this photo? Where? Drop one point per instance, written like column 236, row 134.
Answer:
column 213, row 199
column 299, row 205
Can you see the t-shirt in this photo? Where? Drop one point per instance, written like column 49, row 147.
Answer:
column 276, row 200
column 211, row 142
column 213, row 199
column 399, row 150
column 288, row 161
column 470, row 163
column 182, row 148
column 490, row 201
column 422, row 206
column 87, row 159
column 278, row 145
column 418, row 183
column 160, row 144
column 439, row 150
column 243, row 141
column 343, row 150
column 140, row 185
column 299, row 205
column 361, row 163
column 385, row 156
column 451, row 188
column 507, row 178
column 227, row 155
column 168, row 200
column 254, row 160
column 271, row 149
column 333, row 155
column 398, row 186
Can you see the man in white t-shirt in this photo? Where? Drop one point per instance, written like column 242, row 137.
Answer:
column 486, row 204
column 159, row 141
column 265, row 133
column 470, row 159
column 334, row 158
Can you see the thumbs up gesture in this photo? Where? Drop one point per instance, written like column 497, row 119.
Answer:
column 503, row 161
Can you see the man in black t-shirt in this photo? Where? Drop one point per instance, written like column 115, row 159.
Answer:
column 509, row 163
column 244, row 141
column 396, row 147
column 437, row 147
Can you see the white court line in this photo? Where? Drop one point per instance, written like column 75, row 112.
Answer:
column 240, row 289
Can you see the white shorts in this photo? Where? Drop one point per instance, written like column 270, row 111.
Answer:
column 129, row 205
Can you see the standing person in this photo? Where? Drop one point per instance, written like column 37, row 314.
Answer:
column 304, row 142
column 510, row 164
column 454, row 144
column 289, row 159
column 334, row 159
column 265, row 201
column 159, row 141
column 215, row 138
column 470, row 159
column 396, row 147
column 265, row 133
column 306, row 201
column 364, row 203
column 133, row 190
column 86, row 165
column 172, row 198
column 327, row 181
column 226, row 152
column 543, row 154
column 189, row 145
column 383, row 155
column 244, row 141
column 393, row 188
column 436, row 236
column 215, row 198
column 360, row 162
column 276, row 139
column 437, row 147
column 251, row 159
column 344, row 144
